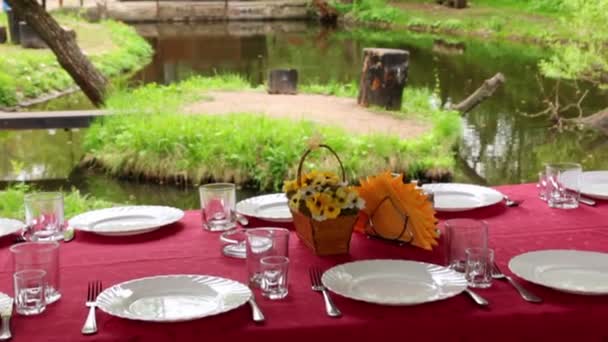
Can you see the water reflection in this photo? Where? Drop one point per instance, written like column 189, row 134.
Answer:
column 499, row 145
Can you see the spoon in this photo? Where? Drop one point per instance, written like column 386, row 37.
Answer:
column 509, row 202
column 242, row 219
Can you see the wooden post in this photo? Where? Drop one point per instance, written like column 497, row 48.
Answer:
column 383, row 77
column 283, row 81
column 3, row 36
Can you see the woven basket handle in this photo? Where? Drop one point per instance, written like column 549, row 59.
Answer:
column 299, row 177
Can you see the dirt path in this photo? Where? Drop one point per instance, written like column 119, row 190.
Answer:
column 325, row 110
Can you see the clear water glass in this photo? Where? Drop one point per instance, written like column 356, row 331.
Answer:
column 261, row 243
column 218, row 206
column 40, row 255
column 563, row 185
column 275, row 271
column 542, row 186
column 30, row 286
column 461, row 234
column 44, row 216
column 478, row 269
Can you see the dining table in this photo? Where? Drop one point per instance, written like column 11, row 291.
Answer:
column 186, row 248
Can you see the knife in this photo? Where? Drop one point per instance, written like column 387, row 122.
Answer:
column 587, row 201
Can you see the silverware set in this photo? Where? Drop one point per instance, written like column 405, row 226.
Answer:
column 525, row 294
column 317, row 285
column 93, row 290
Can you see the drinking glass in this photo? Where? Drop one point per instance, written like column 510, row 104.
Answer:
column 478, row 268
column 563, row 185
column 462, row 234
column 218, row 206
column 275, row 271
column 542, row 186
column 260, row 243
column 42, row 255
column 29, row 286
column 44, row 216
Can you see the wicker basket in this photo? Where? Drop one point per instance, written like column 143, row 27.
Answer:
column 327, row 237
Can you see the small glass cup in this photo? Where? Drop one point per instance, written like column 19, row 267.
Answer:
column 542, row 186
column 563, row 185
column 275, row 272
column 478, row 267
column 44, row 216
column 261, row 243
column 30, row 288
column 43, row 256
column 461, row 234
column 233, row 243
column 218, row 206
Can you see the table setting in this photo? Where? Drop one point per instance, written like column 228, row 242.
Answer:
column 320, row 260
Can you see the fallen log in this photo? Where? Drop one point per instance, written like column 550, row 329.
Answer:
column 486, row 90
column 598, row 121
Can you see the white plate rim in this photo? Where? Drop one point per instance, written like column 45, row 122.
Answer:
column 493, row 196
column 108, row 292
column 247, row 207
column 13, row 226
column 444, row 295
column 80, row 221
column 517, row 267
column 585, row 176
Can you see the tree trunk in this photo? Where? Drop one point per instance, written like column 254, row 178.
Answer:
column 598, row 121
column 64, row 46
column 383, row 77
column 328, row 15
column 486, row 90
column 3, row 35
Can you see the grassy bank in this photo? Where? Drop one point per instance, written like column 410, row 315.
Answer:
column 158, row 142
column 114, row 48
column 11, row 202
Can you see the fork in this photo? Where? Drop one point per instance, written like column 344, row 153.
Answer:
column 90, row 325
column 315, row 280
column 525, row 294
column 511, row 203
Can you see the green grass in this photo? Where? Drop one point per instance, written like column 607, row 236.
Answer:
column 11, row 202
column 155, row 141
column 113, row 47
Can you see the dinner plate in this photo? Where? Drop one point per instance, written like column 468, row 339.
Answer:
column 10, row 226
column 595, row 184
column 579, row 272
column 173, row 298
column 461, row 197
column 272, row 207
column 129, row 220
column 394, row 282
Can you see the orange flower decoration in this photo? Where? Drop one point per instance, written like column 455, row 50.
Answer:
column 387, row 216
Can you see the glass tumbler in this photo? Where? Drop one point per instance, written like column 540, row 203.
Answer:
column 44, row 216
column 275, row 271
column 261, row 243
column 218, row 206
column 563, row 185
column 478, row 268
column 462, row 234
column 29, row 286
column 43, row 255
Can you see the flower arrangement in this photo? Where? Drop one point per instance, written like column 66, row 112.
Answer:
column 322, row 196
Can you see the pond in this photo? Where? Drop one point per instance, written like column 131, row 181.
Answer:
column 500, row 144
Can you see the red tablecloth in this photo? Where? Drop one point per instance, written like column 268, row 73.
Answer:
column 185, row 248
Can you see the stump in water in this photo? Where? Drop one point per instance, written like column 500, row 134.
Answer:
column 383, row 77
column 283, row 81
column 2, row 35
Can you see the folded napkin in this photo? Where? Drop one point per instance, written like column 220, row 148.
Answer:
column 388, row 201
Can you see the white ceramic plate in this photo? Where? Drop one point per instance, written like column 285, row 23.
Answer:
column 271, row 208
column 595, row 184
column 461, row 197
column 394, row 282
column 10, row 226
column 173, row 298
column 572, row 271
column 130, row 220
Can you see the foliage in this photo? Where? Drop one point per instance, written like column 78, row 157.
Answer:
column 25, row 73
column 373, row 10
column 156, row 141
column 11, row 202
column 585, row 55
